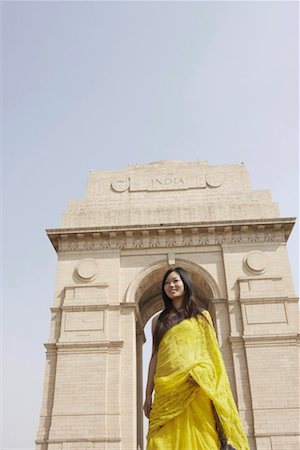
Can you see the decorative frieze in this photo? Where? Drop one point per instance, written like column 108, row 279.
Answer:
column 233, row 233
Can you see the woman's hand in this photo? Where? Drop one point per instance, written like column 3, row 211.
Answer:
column 147, row 406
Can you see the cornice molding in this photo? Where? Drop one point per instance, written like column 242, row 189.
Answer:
column 77, row 440
column 264, row 340
column 172, row 235
column 216, row 301
column 271, row 434
column 101, row 346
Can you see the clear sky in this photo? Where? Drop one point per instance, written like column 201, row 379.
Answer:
column 99, row 85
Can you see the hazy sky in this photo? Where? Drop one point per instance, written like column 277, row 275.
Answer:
column 99, row 85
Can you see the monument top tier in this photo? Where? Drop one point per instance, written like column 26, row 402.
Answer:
column 167, row 192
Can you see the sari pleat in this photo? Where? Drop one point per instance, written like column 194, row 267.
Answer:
column 182, row 415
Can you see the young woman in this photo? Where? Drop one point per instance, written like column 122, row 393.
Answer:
column 193, row 407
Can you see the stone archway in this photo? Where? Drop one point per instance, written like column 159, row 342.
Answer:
column 145, row 289
column 113, row 247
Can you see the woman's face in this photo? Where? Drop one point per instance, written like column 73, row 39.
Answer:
column 174, row 287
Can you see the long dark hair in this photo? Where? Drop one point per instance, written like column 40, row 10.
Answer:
column 171, row 316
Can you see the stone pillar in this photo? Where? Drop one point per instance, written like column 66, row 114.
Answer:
column 264, row 341
column 48, row 394
column 82, row 394
column 140, row 339
column 129, row 378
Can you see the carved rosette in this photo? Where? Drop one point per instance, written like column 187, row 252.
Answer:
column 255, row 262
column 86, row 269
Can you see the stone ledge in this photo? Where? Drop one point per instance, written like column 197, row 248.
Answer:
column 101, row 346
column 263, row 340
column 275, row 434
column 87, row 440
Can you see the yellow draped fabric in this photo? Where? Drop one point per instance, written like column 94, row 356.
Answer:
column 182, row 417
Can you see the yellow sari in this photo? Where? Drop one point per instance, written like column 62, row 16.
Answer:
column 182, row 416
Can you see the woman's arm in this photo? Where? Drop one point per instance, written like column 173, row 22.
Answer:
column 151, row 373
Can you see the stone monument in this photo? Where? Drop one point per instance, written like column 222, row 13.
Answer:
column 113, row 247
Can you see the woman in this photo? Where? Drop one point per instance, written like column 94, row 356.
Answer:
column 193, row 407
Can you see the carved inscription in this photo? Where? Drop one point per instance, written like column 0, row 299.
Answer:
column 168, row 182
column 211, row 179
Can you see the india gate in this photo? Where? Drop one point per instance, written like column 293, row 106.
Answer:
column 114, row 246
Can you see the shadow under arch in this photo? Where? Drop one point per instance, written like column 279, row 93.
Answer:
column 145, row 292
column 145, row 289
